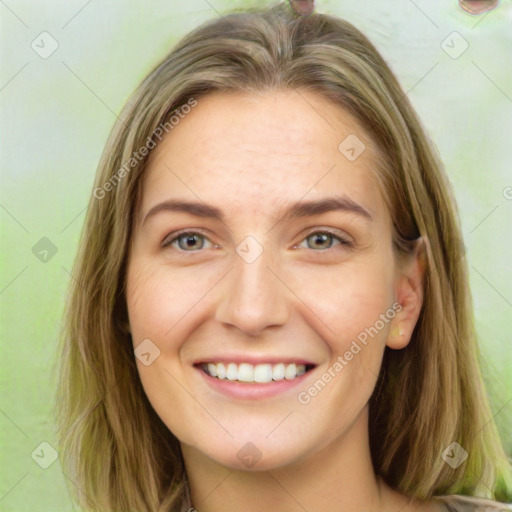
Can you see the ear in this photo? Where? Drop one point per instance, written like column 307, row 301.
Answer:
column 409, row 289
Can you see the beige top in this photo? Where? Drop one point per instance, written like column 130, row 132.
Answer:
column 457, row 503
column 452, row 503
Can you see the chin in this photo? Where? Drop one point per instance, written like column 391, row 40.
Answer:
column 260, row 455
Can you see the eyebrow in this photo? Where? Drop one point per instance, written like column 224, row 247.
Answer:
column 297, row 209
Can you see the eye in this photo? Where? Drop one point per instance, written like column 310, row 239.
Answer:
column 323, row 240
column 189, row 241
column 192, row 241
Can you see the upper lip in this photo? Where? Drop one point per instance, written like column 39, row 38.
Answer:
column 253, row 359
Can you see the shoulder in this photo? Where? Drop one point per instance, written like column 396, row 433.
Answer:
column 458, row 503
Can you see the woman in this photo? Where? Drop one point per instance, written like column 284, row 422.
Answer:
column 272, row 308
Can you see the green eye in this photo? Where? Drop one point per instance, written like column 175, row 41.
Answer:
column 192, row 241
column 323, row 240
column 188, row 241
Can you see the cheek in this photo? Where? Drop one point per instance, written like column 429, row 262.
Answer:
column 348, row 300
column 159, row 298
column 141, row 298
column 354, row 305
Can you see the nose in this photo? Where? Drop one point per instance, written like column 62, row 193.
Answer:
column 254, row 295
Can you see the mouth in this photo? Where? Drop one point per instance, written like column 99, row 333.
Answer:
column 263, row 373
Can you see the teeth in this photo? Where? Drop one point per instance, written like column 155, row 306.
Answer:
column 261, row 373
column 212, row 369
column 245, row 372
column 290, row 372
column 232, row 373
column 278, row 371
column 221, row 371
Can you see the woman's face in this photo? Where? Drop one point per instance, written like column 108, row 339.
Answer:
column 286, row 270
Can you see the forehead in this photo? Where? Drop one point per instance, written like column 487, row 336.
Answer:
column 263, row 150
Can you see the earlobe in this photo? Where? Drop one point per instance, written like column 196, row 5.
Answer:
column 409, row 289
column 396, row 337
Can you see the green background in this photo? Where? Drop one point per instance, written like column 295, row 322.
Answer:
column 56, row 114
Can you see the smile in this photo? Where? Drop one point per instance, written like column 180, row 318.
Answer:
column 259, row 373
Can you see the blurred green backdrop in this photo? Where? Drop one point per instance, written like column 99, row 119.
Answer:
column 59, row 95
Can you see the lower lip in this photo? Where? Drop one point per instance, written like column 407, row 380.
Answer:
column 252, row 390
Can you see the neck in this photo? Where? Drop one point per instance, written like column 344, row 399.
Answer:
column 339, row 476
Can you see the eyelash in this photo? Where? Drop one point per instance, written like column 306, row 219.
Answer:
column 343, row 242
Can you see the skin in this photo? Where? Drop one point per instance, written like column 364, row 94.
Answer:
column 252, row 155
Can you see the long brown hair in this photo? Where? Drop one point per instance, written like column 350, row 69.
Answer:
column 113, row 445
